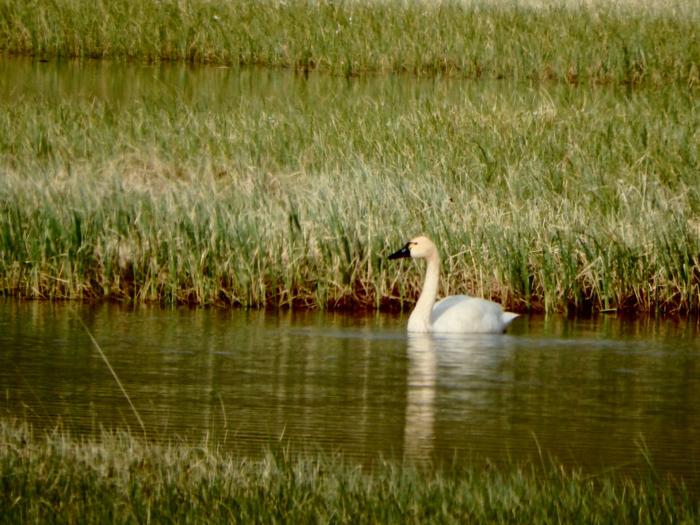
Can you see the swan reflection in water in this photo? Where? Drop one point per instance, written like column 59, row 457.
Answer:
column 447, row 361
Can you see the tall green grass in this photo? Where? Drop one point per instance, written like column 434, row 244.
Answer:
column 547, row 198
column 121, row 479
column 627, row 42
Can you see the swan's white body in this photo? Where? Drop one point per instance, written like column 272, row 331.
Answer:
column 453, row 314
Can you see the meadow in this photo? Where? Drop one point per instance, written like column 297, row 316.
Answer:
column 555, row 175
column 119, row 478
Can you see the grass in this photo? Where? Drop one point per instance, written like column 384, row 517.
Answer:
column 292, row 194
column 117, row 478
column 571, row 184
column 592, row 42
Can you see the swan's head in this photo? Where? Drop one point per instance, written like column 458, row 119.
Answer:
column 418, row 248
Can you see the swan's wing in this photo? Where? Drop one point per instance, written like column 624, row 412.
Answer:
column 445, row 304
column 461, row 313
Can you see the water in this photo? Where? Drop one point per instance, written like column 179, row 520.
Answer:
column 218, row 88
column 596, row 394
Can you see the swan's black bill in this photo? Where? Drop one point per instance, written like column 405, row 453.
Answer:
column 403, row 252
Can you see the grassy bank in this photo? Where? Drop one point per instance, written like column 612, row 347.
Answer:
column 627, row 42
column 547, row 198
column 120, row 479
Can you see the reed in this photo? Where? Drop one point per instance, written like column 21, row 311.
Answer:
column 600, row 42
column 547, row 198
column 117, row 478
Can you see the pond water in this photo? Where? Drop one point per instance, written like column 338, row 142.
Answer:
column 121, row 84
column 597, row 394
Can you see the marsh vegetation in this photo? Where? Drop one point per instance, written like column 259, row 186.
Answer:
column 120, row 478
column 553, row 152
column 569, row 184
column 594, row 42
column 543, row 197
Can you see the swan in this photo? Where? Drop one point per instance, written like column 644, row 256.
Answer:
column 453, row 314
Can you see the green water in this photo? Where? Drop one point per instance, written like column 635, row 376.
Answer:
column 120, row 84
column 597, row 394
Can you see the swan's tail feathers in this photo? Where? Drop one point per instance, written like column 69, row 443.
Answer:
column 508, row 317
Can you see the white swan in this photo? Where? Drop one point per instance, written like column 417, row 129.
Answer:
column 453, row 314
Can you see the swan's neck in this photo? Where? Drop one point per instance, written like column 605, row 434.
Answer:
column 419, row 321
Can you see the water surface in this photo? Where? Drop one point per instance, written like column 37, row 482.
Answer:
column 592, row 393
column 597, row 394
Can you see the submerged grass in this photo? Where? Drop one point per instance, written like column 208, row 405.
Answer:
column 120, row 479
column 620, row 42
column 547, row 198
